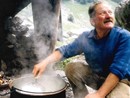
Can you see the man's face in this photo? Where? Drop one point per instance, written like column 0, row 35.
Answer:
column 104, row 17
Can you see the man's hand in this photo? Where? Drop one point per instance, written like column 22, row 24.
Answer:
column 39, row 69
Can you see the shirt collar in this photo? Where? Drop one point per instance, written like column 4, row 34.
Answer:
column 92, row 33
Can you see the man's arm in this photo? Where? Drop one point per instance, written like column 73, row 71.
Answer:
column 109, row 84
column 40, row 67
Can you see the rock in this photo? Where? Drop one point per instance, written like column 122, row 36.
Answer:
column 120, row 91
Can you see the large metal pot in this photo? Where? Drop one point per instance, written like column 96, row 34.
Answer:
column 44, row 87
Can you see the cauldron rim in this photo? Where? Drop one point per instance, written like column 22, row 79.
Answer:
column 41, row 93
column 36, row 93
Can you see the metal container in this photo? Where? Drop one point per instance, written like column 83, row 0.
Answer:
column 47, row 86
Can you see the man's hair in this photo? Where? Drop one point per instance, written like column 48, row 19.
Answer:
column 91, row 10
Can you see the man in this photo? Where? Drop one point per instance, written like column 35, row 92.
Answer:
column 106, row 49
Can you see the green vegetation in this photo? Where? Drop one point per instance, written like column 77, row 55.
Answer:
column 61, row 65
column 79, row 13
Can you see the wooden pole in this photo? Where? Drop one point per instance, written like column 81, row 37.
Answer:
column 46, row 18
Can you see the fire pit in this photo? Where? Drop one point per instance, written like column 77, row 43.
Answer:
column 4, row 81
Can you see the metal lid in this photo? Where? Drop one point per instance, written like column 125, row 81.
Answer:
column 39, row 86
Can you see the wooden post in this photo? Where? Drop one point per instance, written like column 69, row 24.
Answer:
column 46, row 18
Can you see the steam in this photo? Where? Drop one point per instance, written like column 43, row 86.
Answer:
column 44, row 28
column 34, row 38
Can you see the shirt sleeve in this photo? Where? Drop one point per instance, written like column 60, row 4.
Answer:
column 121, row 62
column 72, row 49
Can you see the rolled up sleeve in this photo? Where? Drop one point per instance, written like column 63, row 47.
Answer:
column 121, row 62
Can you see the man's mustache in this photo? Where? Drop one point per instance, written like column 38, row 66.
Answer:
column 108, row 20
